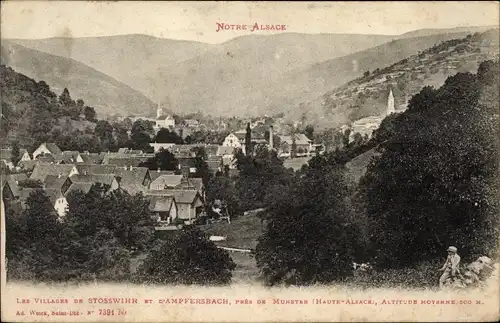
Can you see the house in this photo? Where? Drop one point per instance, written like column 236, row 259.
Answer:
column 164, row 207
column 133, row 161
column 10, row 185
column 227, row 154
column 8, row 194
column 56, row 182
column 62, row 170
column 214, row 164
column 89, row 158
column 25, row 156
column 45, row 148
column 166, row 181
column 303, row 144
column 71, row 157
column 106, row 179
column 49, row 159
column 155, row 174
column 78, row 187
column 86, row 169
column 189, row 203
column 163, row 120
column 133, row 179
column 193, row 184
column 237, row 140
column 225, row 151
column 55, row 196
column 134, row 189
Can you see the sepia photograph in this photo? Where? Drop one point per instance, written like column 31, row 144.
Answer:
column 206, row 161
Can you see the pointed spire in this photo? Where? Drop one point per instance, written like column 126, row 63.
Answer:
column 390, row 103
column 159, row 111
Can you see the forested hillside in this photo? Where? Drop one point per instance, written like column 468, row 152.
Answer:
column 103, row 92
column 32, row 113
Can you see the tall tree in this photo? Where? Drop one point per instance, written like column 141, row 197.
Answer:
column 16, row 153
column 90, row 114
column 65, row 98
column 202, row 170
column 248, row 141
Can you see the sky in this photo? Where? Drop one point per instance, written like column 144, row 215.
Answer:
column 197, row 21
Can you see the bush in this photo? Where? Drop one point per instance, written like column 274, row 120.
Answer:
column 188, row 258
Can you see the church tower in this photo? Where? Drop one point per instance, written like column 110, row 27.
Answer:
column 390, row 103
column 159, row 111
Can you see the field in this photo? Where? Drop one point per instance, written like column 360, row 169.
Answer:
column 243, row 233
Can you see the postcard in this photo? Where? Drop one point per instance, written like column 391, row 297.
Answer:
column 249, row 161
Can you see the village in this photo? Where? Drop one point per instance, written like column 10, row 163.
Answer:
column 176, row 197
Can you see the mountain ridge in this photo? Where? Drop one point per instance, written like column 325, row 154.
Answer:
column 249, row 72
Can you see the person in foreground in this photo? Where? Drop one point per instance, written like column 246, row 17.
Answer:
column 450, row 267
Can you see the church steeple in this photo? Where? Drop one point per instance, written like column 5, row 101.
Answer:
column 390, row 103
column 159, row 111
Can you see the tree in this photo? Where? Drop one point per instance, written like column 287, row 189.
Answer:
column 293, row 149
column 127, row 217
column 309, row 131
column 167, row 136
column 202, row 170
column 141, row 135
column 248, row 141
column 15, row 240
column 310, row 236
column 104, row 131
column 346, row 138
column 188, row 258
column 261, row 177
column 41, row 229
column 163, row 160
column 90, row 114
column 65, row 98
column 16, row 153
